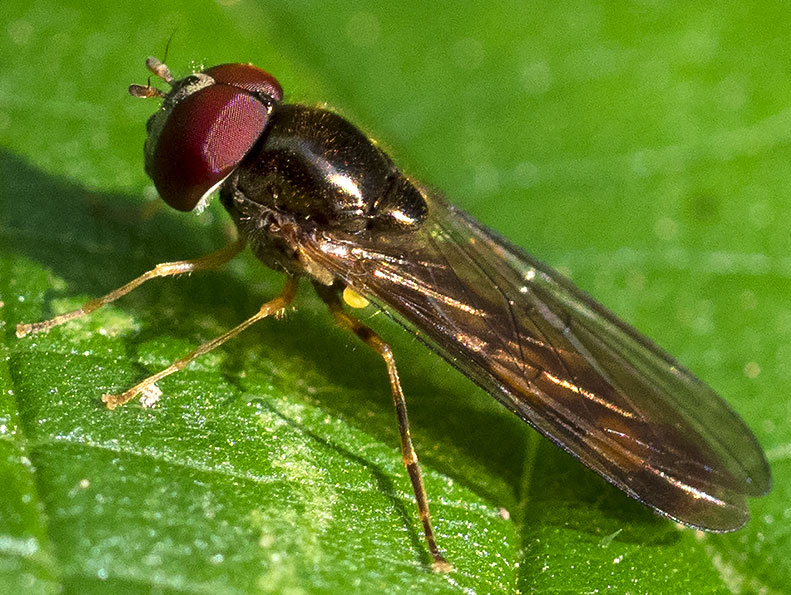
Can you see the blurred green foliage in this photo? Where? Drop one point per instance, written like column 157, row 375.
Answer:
column 643, row 148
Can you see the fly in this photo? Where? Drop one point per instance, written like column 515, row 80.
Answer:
column 314, row 197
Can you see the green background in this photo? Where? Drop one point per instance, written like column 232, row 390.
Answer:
column 642, row 148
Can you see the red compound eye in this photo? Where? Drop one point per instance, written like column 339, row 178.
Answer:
column 247, row 77
column 208, row 132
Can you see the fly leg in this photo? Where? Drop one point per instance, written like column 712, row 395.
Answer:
column 165, row 269
column 148, row 386
column 409, row 456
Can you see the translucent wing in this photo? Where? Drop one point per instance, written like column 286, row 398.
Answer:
column 562, row 362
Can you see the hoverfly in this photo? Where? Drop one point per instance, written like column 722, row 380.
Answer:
column 314, row 197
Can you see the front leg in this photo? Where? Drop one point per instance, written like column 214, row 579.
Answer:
column 165, row 269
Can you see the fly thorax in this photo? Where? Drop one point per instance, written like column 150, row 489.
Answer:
column 317, row 167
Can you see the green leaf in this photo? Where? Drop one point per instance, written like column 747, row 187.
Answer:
column 642, row 150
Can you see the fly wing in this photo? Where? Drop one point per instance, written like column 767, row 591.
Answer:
column 588, row 381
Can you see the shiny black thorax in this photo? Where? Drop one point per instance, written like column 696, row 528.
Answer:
column 315, row 170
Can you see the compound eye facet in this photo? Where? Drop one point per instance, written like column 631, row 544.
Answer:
column 247, row 77
column 204, row 138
